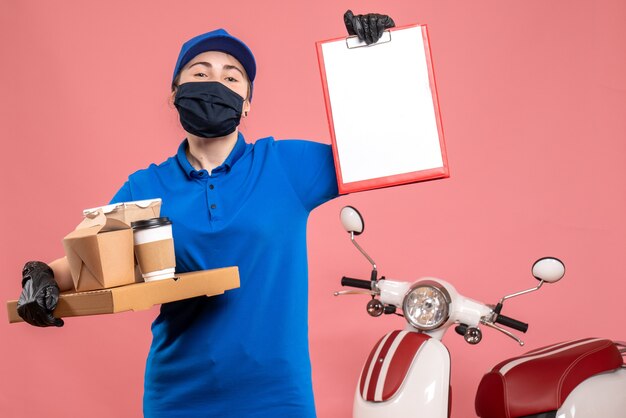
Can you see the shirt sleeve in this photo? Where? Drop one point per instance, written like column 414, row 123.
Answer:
column 310, row 168
column 123, row 194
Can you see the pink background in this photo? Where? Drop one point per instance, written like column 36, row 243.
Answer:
column 533, row 99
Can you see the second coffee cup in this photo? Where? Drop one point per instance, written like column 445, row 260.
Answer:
column 154, row 248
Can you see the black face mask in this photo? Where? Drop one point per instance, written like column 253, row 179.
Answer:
column 208, row 109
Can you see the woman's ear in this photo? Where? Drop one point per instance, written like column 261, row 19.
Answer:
column 172, row 97
column 246, row 108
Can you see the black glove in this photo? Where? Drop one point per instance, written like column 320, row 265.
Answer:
column 40, row 294
column 369, row 27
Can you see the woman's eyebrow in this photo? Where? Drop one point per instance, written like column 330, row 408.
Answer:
column 233, row 67
column 207, row 64
column 226, row 66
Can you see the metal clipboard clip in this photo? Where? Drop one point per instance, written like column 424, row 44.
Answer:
column 353, row 42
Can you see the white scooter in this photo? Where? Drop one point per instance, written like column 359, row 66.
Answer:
column 407, row 373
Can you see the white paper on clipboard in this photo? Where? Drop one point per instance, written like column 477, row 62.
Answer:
column 382, row 109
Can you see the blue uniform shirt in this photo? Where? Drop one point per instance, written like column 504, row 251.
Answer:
column 245, row 353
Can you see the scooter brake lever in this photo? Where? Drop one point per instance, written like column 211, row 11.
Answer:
column 355, row 292
column 502, row 330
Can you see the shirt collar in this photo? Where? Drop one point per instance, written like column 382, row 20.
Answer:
column 232, row 158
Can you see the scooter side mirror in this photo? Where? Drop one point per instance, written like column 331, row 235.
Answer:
column 548, row 269
column 352, row 220
column 353, row 223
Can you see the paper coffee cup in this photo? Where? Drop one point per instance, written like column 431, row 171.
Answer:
column 154, row 248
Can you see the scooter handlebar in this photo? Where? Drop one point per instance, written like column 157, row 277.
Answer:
column 361, row 284
column 512, row 323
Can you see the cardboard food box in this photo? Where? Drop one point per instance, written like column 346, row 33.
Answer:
column 128, row 212
column 100, row 253
column 140, row 296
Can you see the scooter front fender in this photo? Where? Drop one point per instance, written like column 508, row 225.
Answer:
column 424, row 390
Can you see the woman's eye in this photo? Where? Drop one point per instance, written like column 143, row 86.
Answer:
column 231, row 79
column 200, row 75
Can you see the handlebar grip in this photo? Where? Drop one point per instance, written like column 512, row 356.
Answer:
column 512, row 323
column 361, row 284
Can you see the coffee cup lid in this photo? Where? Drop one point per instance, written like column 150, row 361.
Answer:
column 151, row 223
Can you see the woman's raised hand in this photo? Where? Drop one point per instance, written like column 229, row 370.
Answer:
column 368, row 27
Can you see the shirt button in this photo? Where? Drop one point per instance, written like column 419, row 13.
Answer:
column 211, row 187
column 213, row 206
column 201, row 174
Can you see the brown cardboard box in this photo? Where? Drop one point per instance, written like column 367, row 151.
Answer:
column 128, row 212
column 139, row 296
column 100, row 253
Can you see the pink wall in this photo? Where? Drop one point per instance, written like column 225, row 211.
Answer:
column 533, row 99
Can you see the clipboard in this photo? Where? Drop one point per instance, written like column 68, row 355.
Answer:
column 382, row 108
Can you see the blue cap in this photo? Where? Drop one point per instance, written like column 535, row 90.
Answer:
column 217, row 40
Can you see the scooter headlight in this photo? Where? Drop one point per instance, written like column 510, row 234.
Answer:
column 426, row 305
